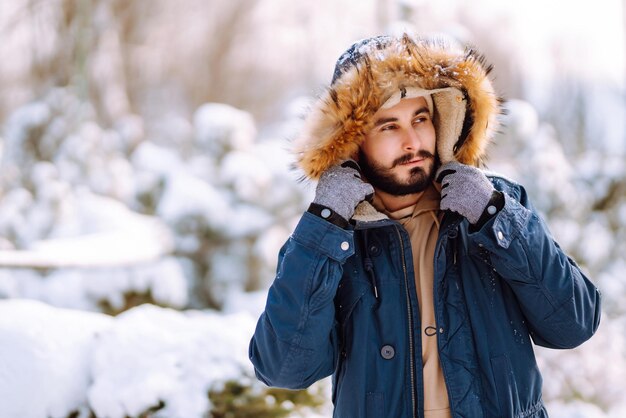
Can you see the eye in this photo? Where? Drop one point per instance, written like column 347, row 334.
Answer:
column 389, row 127
column 420, row 119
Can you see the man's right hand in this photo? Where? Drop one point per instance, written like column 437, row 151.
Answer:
column 341, row 189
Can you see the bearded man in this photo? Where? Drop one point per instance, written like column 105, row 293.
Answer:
column 415, row 278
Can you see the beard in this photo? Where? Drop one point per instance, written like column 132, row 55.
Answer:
column 384, row 179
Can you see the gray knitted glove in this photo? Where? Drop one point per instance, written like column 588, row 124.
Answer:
column 341, row 189
column 464, row 190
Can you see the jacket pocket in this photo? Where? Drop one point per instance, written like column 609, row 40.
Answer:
column 506, row 388
column 348, row 295
column 375, row 405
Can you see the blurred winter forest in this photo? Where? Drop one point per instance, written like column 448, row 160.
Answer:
column 144, row 151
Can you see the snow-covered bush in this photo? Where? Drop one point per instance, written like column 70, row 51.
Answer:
column 221, row 190
column 70, row 187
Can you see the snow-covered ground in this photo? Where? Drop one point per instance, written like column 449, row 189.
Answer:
column 56, row 361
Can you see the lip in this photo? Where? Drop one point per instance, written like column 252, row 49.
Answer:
column 415, row 161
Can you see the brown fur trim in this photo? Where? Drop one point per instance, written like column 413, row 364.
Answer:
column 339, row 120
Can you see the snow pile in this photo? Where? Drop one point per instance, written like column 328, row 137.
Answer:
column 116, row 367
column 45, row 357
column 154, row 355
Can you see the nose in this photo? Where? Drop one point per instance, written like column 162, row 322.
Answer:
column 411, row 140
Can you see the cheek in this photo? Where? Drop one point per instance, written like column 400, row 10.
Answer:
column 432, row 139
column 372, row 149
column 381, row 155
column 384, row 150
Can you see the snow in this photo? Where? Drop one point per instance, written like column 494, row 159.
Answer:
column 269, row 244
column 596, row 247
column 116, row 366
column 220, row 128
column 155, row 354
column 110, row 235
column 252, row 303
column 186, row 196
column 600, row 377
column 26, row 119
column 42, row 348
column 151, row 158
column 77, row 288
column 247, row 174
column 575, row 409
column 248, row 220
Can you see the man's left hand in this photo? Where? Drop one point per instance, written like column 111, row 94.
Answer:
column 464, row 190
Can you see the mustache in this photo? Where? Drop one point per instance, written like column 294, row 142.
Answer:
column 408, row 157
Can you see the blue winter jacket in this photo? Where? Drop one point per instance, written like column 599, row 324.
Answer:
column 495, row 290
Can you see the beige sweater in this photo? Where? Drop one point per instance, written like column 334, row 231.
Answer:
column 422, row 222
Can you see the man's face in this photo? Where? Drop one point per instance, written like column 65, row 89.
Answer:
column 398, row 154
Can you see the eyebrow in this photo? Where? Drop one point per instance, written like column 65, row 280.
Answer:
column 382, row 121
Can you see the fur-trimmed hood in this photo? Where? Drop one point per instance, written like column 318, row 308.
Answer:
column 375, row 70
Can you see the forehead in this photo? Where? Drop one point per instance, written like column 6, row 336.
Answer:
column 403, row 107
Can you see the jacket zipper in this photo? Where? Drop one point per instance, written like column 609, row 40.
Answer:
column 410, row 317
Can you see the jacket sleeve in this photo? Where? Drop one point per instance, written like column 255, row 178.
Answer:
column 561, row 304
column 295, row 341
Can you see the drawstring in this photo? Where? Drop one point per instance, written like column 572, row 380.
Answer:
column 452, row 234
column 369, row 267
column 368, row 264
